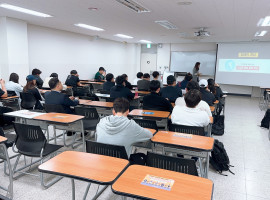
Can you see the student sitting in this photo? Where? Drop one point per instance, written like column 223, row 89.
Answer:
column 139, row 77
column 128, row 85
column 155, row 75
column 143, row 85
column 36, row 73
column 120, row 90
column 100, row 75
column 3, row 91
column 31, row 88
column 13, row 84
column 190, row 115
column 109, row 82
column 214, row 88
column 207, row 96
column 154, row 101
column 55, row 97
column 171, row 92
column 73, row 79
column 183, row 83
column 117, row 129
column 46, row 81
column 192, row 85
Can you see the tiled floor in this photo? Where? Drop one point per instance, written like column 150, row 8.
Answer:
column 247, row 146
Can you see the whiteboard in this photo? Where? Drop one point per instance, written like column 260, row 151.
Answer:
column 185, row 61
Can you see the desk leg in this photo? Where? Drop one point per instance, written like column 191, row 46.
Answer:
column 83, row 137
column 54, row 133
column 73, row 188
column 207, row 165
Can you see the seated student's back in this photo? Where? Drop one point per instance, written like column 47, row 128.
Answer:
column 171, row 92
column 143, row 85
column 109, row 82
column 120, row 90
column 13, row 84
column 207, row 96
column 154, row 101
column 215, row 88
column 117, row 129
column 183, row 83
column 139, row 77
column 73, row 79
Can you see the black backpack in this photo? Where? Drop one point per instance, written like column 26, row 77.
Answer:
column 218, row 125
column 219, row 158
column 266, row 119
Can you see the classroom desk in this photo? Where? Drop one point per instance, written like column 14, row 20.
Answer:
column 103, row 108
column 185, row 187
column 4, row 156
column 12, row 101
column 186, row 144
column 96, row 85
column 8, row 98
column 87, row 167
column 142, row 93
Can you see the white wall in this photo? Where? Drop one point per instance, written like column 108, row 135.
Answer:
column 58, row 51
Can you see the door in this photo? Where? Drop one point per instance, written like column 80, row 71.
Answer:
column 148, row 62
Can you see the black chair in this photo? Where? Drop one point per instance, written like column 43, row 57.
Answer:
column 89, row 98
column 110, row 99
column 6, row 122
column 10, row 138
column 81, row 91
column 182, row 165
column 195, row 130
column 31, row 142
column 28, row 100
column 49, row 108
column 147, row 123
column 11, row 93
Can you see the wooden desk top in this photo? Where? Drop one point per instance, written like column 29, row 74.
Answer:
column 92, row 82
column 85, row 166
column 212, row 108
column 216, row 102
column 96, row 103
column 59, row 117
column 12, row 97
column 141, row 92
column 43, row 91
column 158, row 114
column 2, row 139
column 186, row 187
column 153, row 131
column 190, row 141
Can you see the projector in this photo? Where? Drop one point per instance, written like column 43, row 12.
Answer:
column 201, row 33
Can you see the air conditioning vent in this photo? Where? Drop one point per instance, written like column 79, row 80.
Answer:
column 134, row 6
column 166, row 24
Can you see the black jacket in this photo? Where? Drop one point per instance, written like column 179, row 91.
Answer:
column 154, row 101
column 72, row 81
column 128, row 85
column 39, row 81
column 121, row 91
column 208, row 97
column 171, row 92
column 143, row 85
column 107, row 86
column 37, row 95
column 58, row 98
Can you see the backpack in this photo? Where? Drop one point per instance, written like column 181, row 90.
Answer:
column 266, row 119
column 218, row 125
column 219, row 158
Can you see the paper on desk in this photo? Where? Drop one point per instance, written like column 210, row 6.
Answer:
column 158, row 182
column 24, row 114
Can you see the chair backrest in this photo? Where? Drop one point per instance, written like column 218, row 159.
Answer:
column 194, row 130
column 106, row 149
column 88, row 113
column 182, row 165
column 110, row 99
column 29, row 138
column 54, row 108
column 147, row 123
column 2, row 132
column 89, row 98
column 28, row 100
column 81, row 91
column 11, row 93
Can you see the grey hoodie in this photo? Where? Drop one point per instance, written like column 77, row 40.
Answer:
column 121, row 131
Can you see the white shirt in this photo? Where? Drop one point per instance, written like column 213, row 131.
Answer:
column 136, row 80
column 46, row 82
column 17, row 88
column 180, row 101
column 182, row 115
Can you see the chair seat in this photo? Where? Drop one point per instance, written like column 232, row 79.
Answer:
column 50, row 148
column 90, row 124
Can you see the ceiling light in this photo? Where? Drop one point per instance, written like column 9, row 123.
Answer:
column 24, row 10
column 266, row 21
column 93, row 28
column 123, row 36
column 134, row 6
column 145, row 41
column 260, row 33
column 166, row 24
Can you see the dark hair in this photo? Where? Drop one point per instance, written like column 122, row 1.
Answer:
column 193, row 85
column 36, row 72
column 154, row 85
column 211, row 85
column 53, row 82
column 146, row 75
column 14, row 77
column 139, row 75
column 155, row 74
column 101, row 69
column 29, row 86
column 73, row 72
column 188, row 77
column 197, row 66
column 121, row 105
column 193, row 98
column 55, row 75
column 119, row 80
column 125, row 76
column 109, row 77
column 170, row 80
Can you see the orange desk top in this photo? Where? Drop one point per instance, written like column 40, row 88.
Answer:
column 85, row 166
column 96, row 103
column 92, row 82
column 141, row 92
column 185, row 187
column 2, row 139
column 59, row 117
column 12, row 97
column 158, row 114
column 153, row 131
column 184, row 140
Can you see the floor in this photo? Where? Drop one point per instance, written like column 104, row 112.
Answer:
column 247, row 146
